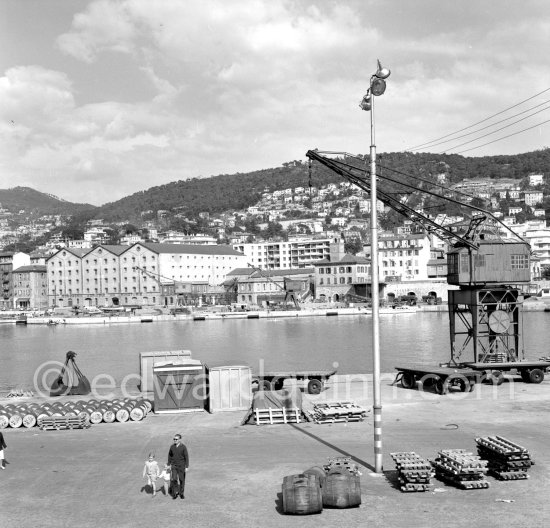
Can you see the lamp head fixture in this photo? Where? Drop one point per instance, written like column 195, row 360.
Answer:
column 382, row 73
column 377, row 86
column 365, row 103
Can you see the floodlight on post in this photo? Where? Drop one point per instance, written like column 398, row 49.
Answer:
column 377, row 87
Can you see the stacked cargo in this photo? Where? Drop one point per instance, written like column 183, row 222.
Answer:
column 505, row 459
column 94, row 411
column 337, row 412
column 413, row 472
column 461, row 468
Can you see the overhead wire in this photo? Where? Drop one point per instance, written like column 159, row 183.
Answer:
column 495, row 131
column 429, row 143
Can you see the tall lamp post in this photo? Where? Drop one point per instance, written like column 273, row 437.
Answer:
column 377, row 87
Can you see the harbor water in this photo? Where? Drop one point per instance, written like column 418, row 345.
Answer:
column 313, row 343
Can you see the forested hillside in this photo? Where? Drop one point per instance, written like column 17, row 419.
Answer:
column 38, row 203
column 237, row 191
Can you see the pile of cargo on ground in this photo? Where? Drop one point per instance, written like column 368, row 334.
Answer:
column 73, row 414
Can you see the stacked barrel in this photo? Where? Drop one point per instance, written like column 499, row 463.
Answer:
column 97, row 411
column 336, row 485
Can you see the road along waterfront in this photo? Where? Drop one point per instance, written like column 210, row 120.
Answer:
column 320, row 343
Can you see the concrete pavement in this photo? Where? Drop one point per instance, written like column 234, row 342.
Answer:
column 93, row 477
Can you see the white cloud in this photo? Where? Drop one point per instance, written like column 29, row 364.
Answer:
column 239, row 86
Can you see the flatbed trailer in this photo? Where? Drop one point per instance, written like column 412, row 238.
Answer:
column 442, row 379
column 315, row 379
column 530, row 371
column 464, row 376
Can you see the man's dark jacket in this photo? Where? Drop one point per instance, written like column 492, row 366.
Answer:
column 178, row 456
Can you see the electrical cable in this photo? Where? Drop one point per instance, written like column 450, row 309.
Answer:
column 493, row 132
column 505, row 137
column 492, row 125
column 422, row 145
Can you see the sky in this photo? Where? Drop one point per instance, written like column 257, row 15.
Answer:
column 100, row 99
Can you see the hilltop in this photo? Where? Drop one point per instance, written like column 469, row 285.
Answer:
column 227, row 192
column 35, row 203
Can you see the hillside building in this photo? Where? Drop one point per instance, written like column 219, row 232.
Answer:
column 294, row 253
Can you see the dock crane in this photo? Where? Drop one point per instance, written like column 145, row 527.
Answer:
column 487, row 261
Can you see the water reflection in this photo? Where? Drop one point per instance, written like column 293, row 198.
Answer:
column 283, row 344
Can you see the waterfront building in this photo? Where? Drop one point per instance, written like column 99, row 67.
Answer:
column 274, row 287
column 347, row 278
column 30, row 287
column 137, row 275
column 300, row 252
column 8, row 262
column 404, row 257
column 538, row 235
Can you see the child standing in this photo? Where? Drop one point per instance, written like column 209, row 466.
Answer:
column 151, row 469
column 165, row 477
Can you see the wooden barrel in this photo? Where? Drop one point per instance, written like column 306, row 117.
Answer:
column 29, row 420
column 4, row 420
column 123, row 414
column 302, row 494
column 109, row 416
column 96, row 416
column 319, row 472
column 138, row 413
column 342, row 491
column 16, row 420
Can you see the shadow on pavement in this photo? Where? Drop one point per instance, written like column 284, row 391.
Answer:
column 332, row 446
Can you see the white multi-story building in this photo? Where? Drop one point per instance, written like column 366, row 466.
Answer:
column 135, row 275
column 294, row 253
column 536, row 179
column 538, row 235
column 533, row 197
column 403, row 256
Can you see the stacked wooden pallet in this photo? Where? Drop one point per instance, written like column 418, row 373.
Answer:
column 337, row 412
column 461, row 468
column 413, row 472
column 505, row 459
column 49, row 423
column 277, row 416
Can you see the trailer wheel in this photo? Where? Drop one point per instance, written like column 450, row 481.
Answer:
column 277, row 384
column 315, row 386
column 441, row 387
column 265, row 385
column 408, row 380
column 495, row 377
column 536, row 375
column 525, row 375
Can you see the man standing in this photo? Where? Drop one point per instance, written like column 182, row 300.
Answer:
column 2, row 447
column 178, row 459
